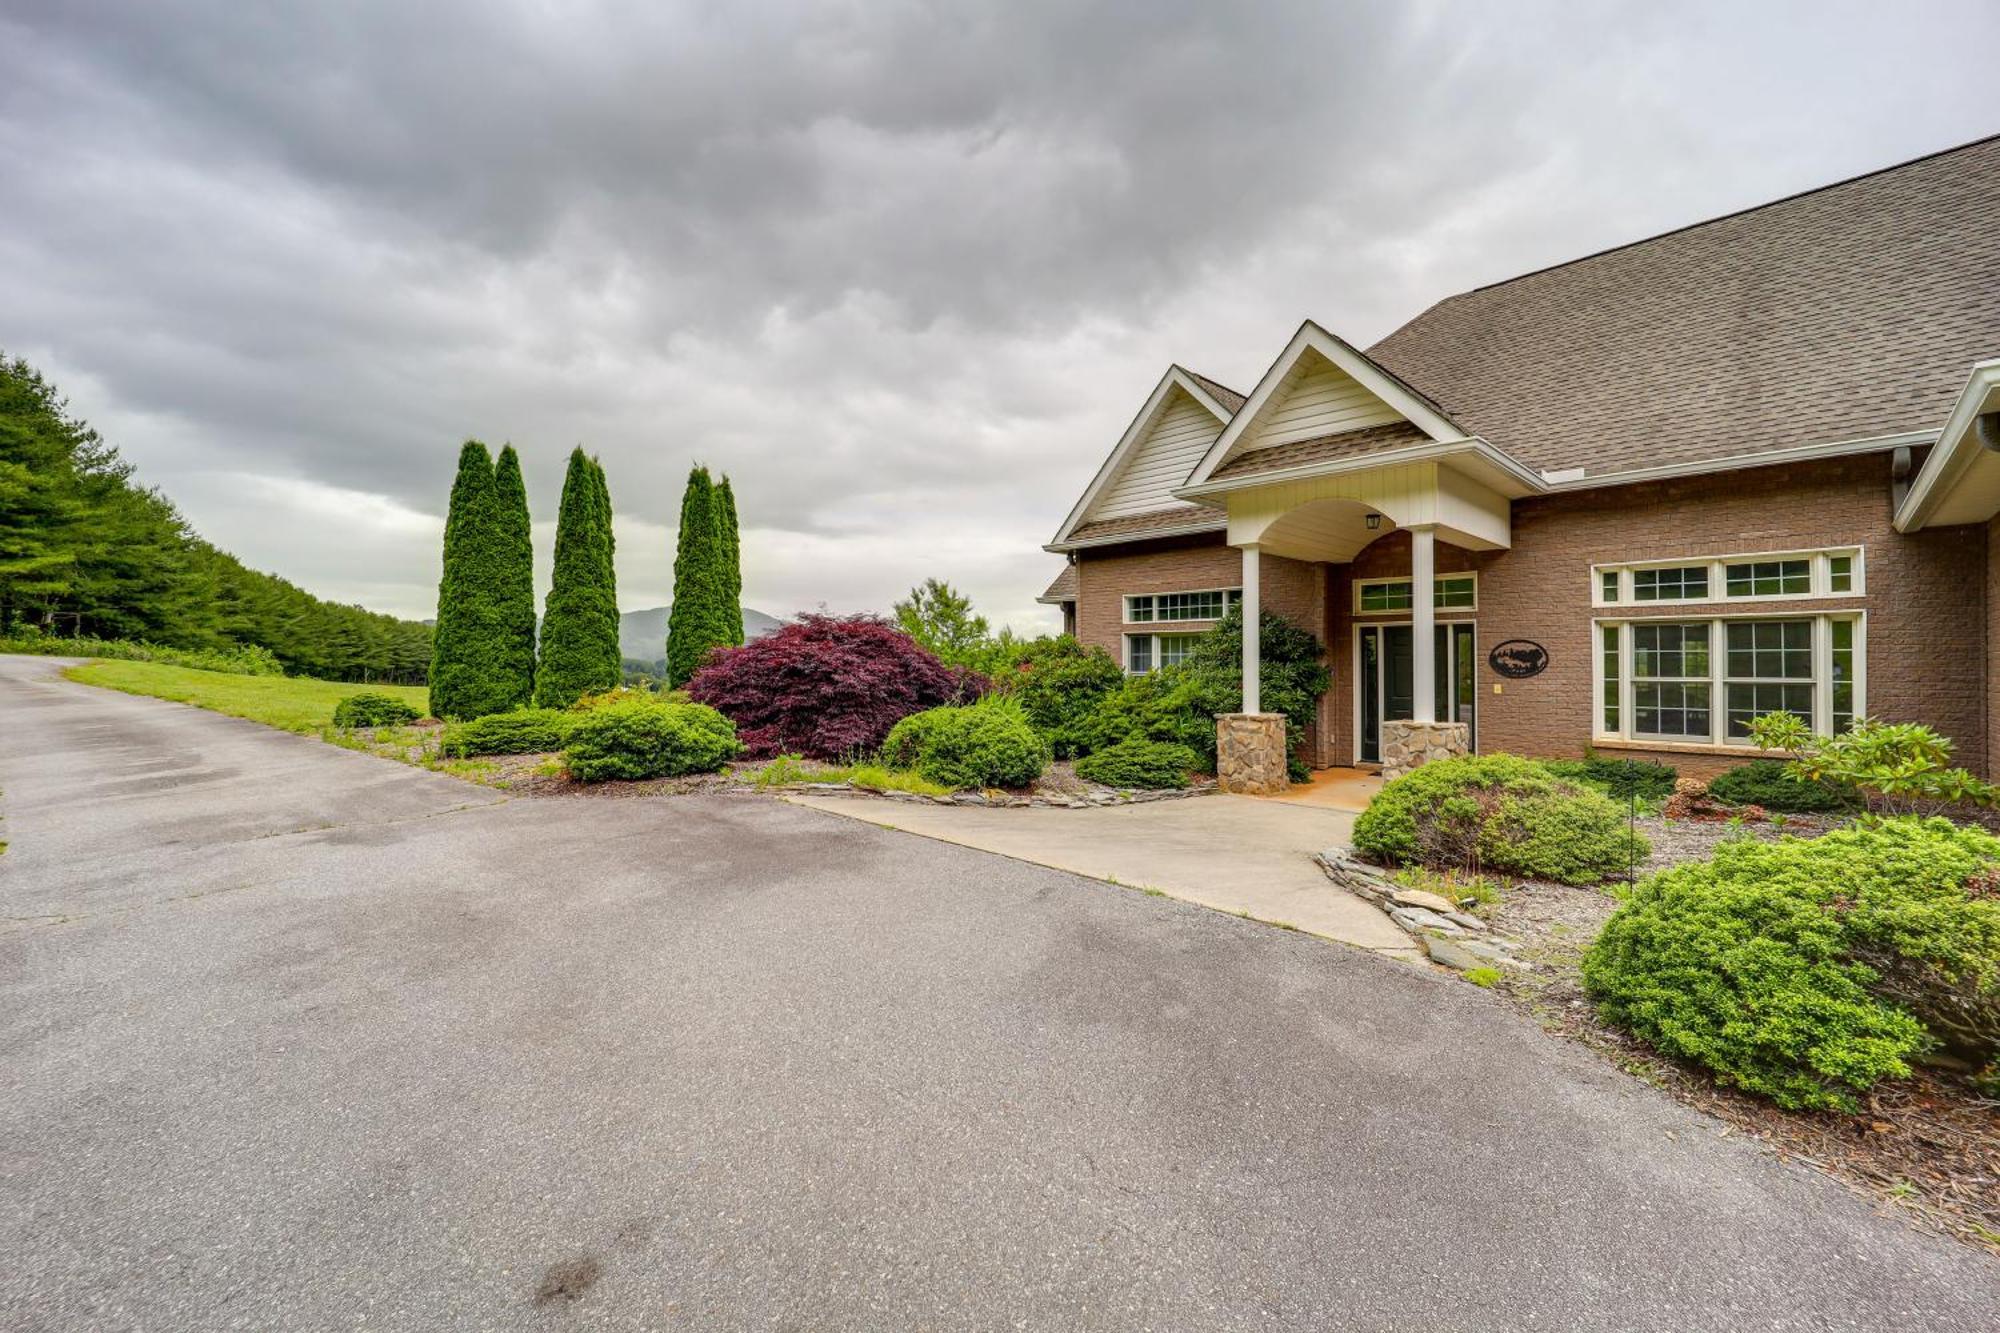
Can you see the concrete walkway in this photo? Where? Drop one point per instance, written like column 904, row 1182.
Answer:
column 1232, row 853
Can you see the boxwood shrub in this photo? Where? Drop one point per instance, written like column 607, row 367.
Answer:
column 1809, row 969
column 1137, row 762
column 1764, row 782
column 1502, row 813
column 372, row 710
column 643, row 739
column 987, row 744
column 524, row 731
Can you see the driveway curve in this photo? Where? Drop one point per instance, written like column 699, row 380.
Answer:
column 299, row 1038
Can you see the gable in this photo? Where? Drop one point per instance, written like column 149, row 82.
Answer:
column 1164, row 455
column 1315, row 398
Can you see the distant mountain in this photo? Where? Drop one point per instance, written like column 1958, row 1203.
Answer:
column 642, row 635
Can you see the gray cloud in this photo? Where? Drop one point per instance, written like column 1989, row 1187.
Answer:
column 903, row 271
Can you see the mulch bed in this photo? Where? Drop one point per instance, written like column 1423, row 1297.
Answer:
column 1926, row 1148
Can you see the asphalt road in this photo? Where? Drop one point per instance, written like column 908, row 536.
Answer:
column 295, row 1038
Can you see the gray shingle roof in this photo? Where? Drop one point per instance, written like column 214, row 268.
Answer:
column 1063, row 589
column 1319, row 449
column 1846, row 313
column 1139, row 526
column 1222, row 393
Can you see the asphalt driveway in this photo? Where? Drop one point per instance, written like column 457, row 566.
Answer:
column 299, row 1038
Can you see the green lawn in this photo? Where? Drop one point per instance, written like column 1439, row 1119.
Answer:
column 292, row 702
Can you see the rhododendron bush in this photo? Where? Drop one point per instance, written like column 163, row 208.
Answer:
column 827, row 687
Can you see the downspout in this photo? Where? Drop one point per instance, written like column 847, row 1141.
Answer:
column 1987, row 427
column 1899, row 478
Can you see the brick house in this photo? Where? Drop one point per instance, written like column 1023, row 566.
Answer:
column 1628, row 502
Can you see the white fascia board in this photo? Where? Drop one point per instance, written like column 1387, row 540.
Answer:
column 1439, row 451
column 1311, row 337
column 1957, row 448
column 1134, row 433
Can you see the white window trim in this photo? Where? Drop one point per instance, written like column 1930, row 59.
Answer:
column 1126, row 604
column 1718, row 676
column 1718, row 594
column 1154, row 638
column 1436, row 579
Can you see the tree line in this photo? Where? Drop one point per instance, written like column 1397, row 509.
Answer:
column 491, row 657
column 87, row 551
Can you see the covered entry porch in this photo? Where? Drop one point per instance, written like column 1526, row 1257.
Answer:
column 1408, row 674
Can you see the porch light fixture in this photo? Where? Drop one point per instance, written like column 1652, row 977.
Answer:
column 1374, row 522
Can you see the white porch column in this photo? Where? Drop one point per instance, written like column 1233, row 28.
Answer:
column 1253, row 701
column 1423, row 623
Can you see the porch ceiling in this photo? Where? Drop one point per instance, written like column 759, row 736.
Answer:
column 1326, row 517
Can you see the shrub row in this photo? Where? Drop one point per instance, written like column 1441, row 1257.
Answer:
column 251, row 660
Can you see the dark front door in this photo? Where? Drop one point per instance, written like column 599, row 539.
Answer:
column 1386, row 677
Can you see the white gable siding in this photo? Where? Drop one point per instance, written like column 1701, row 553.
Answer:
column 1180, row 435
column 1317, row 398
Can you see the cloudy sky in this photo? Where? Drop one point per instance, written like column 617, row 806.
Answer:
column 904, row 271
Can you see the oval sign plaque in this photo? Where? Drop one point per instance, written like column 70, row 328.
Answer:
column 1518, row 659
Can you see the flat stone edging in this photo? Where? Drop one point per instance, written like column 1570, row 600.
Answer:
column 1096, row 800
column 1457, row 939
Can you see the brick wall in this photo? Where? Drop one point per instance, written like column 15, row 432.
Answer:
column 1106, row 576
column 1933, row 639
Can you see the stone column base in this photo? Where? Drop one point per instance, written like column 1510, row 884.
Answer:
column 1250, row 753
column 1410, row 745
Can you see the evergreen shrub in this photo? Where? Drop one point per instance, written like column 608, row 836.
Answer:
column 1503, row 813
column 372, row 710
column 987, row 744
column 1622, row 778
column 524, row 731
column 644, row 739
column 1809, row 969
column 1137, row 762
column 1767, row 782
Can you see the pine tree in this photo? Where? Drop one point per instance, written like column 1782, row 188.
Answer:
column 470, row 663
column 516, row 589
column 732, row 554
column 580, row 626
column 699, row 618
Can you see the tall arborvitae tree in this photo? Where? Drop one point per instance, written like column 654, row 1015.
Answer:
column 698, row 621
column 470, row 663
column 517, row 578
column 580, row 623
column 732, row 555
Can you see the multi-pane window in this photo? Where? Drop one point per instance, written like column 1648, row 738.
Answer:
column 1611, row 673
column 1670, row 680
column 1149, row 652
column 1449, row 592
column 1841, row 673
column 1675, row 583
column 1767, row 668
column 1707, row 680
column 1210, row 604
column 1781, row 574
column 1768, row 578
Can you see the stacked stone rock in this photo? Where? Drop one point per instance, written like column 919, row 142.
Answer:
column 1408, row 745
column 1250, row 753
column 1451, row 936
